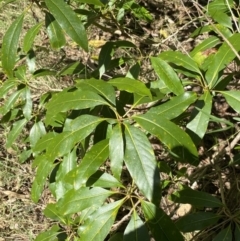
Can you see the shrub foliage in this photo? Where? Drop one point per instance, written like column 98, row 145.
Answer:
column 92, row 142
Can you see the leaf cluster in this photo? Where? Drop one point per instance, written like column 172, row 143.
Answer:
column 91, row 142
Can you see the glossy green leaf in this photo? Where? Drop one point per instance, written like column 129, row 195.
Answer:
column 44, row 72
column 117, row 237
column 214, row 27
column 17, row 127
column 68, row 164
column 69, row 22
column 199, row 120
column 44, row 168
column 9, row 103
column 6, row 86
column 179, row 143
column 223, row 57
column 54, row 31
column 94, row 2
column 50, row 235
column 161, row 226
column 219, row 11
column 131, row 86
column 76, row 100
column 10, row 45
column 224, row 235
column 196, row 198
column 116, row 151
column 77, row 200
column 141, row 163
column 79, row 128
column 99, row 86
column 105, row 57
column 180, row 59
column 43, row 143
column 51, row 212
column 36, row 132
column 97, row 227
column 134, row 71
column 103, row 179
column 59, row 188
column 30, row 36
column 73, row 68
column 167, row 75
column 175, row 106
column 92, row 160
column 136, row 229
column 31, row 61
column 205, row 44
column 197, row 221
column 233, row 99
column 27, row 108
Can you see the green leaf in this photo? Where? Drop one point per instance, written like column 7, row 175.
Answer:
column 223, row 57
column 69, row 163
column 180, row 59
column 167, row 75
column 77, row 200
column 15, row 131
column 233, row 99
column 27, row 108
column 200, row 119
column 76, row 100
column 237, row 232
column 197, row 221
column 30, row 36
column 224, row 235
column 161, row 226
column 116, row 151
column 117, row 237
column 89, row 164
column 136, row 229
column 219, row 11
column 73, row 68
column 205, row 44
column 69, row 22
column 175, row 106
column 94, row 2
column 10, row 45
column 105, row 57
column 36, row 132
column 54, row 32
column 9, row 103
column 51, row 212
column 59, row 188
column 134, row 71
column 171, row 135
column 97, row 227
column 208, row 28
column 103, row 179
column 50, row 235
column 196, row 198
column 43, row 143
column 44, row 72
column 6, row 86
column 140, row 161
column 30, row 61
column 131, row 86
column 99, row 86
column 79, row 129
column 44, row 168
